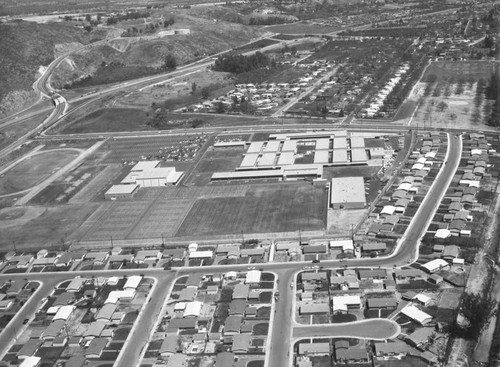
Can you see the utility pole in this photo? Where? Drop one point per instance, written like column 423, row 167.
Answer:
column 242, row 238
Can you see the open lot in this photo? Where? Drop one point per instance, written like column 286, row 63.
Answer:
column 33, row 170
column 263, row 209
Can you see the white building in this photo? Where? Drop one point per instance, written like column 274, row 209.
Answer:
column 253, row 276
column 347, row 193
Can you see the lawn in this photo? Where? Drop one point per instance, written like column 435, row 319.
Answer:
column 112, row 119
column 283, row 208
column 32, row 171
column 341, row 318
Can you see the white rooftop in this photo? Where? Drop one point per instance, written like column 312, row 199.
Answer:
column 122, row 189
column 145, row 165
column 347, row 190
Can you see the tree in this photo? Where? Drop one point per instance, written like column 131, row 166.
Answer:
column 219, row 107
column 441, row 106
column 205, row 92
column 88, row 18
column 193, row 88
column 476, row 310
column 170, row 62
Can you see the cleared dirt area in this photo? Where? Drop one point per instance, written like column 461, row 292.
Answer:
column 34, row 169
column 281, row 208
column 179, row 90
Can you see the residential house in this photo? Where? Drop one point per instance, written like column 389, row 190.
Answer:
column 391, row 350
column 314, row 308
column 385, row 303
column 233, row 325
column 420, row 337
column 372, row 274
column 96, row 347
column 241, row 343
column 314, row 349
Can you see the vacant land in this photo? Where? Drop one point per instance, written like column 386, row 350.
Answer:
column 33, row 170
column 263, row 209
column 109, row 120
column 179, row 91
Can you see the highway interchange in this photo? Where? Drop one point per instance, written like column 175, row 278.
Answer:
column 284, row 331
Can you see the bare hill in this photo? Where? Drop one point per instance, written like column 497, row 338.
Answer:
column 130, row 57
column 25, row 46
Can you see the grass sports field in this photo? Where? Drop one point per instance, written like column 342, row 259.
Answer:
column 32, row 171
column 270, row 208
column 211, row 210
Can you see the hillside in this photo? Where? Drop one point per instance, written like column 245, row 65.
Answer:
column 130, row 57
column 25, row 46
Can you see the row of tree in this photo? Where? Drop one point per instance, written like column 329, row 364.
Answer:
column 127, row 16
column 239, row 64
column 492, row 92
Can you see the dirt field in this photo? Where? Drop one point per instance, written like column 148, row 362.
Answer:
column 270, row 208
column 33, row 170
column 179, row 89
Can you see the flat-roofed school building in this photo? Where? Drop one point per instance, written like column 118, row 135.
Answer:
column 347, row 193
column 121, row 192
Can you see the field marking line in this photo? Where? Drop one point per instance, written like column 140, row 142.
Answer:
column 38, row 188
